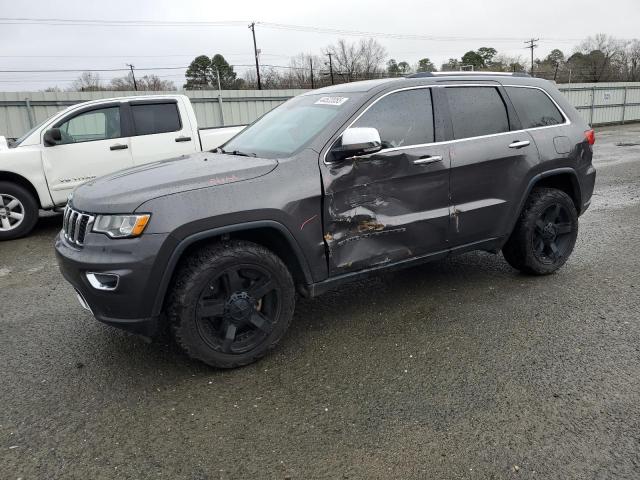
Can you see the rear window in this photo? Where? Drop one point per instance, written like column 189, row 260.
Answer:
column 156, row 118
column 477, row 111
column 534, row 107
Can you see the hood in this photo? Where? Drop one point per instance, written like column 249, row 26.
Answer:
column 124, row 191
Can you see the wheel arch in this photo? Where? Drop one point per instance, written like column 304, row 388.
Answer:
column 268, row 233
column 564, row 179
column 23, row 182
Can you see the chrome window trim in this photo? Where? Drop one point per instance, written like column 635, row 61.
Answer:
column 446, row 142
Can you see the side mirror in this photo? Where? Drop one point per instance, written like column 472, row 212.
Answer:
column 358, row 141
column 52, row 137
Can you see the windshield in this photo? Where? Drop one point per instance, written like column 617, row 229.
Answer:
column 289, row 127
column 23, row 137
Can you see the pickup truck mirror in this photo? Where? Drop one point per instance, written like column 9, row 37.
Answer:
column 357, row 141
column 52, row 137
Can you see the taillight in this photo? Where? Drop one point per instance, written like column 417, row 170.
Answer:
column 590, row 135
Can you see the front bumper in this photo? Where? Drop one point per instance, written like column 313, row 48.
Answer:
column 130, row 306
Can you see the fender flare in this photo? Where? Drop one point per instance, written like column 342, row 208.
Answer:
column 177, row 252
column 535, row 179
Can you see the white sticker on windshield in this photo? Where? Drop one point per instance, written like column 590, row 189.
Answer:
column 335, row 101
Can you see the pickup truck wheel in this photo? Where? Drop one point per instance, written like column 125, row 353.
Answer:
column 545, row 234
column 18, row 211
column 231, row 303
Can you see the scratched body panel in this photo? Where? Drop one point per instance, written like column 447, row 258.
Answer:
column 382, row 207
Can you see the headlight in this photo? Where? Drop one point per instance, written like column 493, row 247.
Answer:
column 121, row 226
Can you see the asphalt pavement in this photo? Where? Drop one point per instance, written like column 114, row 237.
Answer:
column 459, row 369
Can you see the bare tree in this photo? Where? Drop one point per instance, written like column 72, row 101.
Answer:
column 630, row 60
column 595, row 57
column 372, row 55
column 87, row 82
column 357, row 61
column 346, row 59
column 300, row 70
column 144, row 83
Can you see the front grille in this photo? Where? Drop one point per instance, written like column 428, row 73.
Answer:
column 76, row 225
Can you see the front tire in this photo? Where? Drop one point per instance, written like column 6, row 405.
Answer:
column 18, row 211
column 545, row 233
column 231, row 303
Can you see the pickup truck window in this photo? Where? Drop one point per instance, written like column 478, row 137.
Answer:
column 156, row 118
column 100, row 124
column 477, row 111
column 403, row 118
column 534, row 107
column 290, row 127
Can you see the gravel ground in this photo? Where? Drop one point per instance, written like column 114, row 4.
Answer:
column 458, row 369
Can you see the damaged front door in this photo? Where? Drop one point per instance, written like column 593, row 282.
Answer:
column 390, row 205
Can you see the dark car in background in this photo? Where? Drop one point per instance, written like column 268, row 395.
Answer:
column 331, row 186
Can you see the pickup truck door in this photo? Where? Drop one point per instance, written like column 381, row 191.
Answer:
column 391, row 205
column 161, row 129
column 94, row 143
column 491, row 157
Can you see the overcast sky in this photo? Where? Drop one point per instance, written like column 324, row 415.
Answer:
column 465, row 24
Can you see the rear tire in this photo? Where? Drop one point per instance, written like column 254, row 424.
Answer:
column 231, row 303
column 545, row 233
column 18, row 211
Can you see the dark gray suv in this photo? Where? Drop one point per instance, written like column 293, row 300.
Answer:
column 332, row 185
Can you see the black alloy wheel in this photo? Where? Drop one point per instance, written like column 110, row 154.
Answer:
column 237, row 310
column 552, row 237
column 230, row 303
column 545, row 234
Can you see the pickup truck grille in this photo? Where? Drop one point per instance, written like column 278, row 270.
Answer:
column 75, row 225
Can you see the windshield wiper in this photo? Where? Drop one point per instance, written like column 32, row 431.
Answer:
column 241, row 154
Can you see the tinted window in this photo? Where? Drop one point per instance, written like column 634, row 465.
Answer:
column 402, row 118
column 156, row 118
column 534, row 107
column 477, row 111
column 93, row 125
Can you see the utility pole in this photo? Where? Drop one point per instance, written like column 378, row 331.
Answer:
column 220, row 96
column 252, row 27
column 135, row 85
column 330, row 67
column 532, row 44
column 311, row 67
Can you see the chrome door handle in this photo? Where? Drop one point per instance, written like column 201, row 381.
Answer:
column 520, row 144
column 427, row 159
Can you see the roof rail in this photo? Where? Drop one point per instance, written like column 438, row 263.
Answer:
column 465, row 73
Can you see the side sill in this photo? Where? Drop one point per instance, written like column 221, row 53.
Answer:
column 317, row 289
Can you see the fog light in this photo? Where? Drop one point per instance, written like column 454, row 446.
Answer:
column 103, row 281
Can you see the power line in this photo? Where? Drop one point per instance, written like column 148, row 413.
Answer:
column 116, row 23
column 234, row 23
column 126, row 55
column 145, row 69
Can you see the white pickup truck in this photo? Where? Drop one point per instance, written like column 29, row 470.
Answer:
column 88, row 140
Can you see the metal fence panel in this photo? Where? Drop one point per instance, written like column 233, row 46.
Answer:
column 598, row 103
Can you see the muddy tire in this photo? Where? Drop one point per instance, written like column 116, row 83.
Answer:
column 18, row 211
column 231, row 303
column 545, row 233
